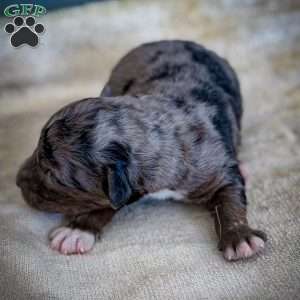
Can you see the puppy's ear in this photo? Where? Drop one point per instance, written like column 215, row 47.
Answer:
column 119, row 188
column 118, row 160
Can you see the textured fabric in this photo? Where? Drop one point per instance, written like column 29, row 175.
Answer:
column 156, row 250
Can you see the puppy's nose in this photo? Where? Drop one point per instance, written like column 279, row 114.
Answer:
column 25, row 171
column 19, row 178
column 22, row 175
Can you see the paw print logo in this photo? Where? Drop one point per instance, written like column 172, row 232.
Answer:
column 24, row 31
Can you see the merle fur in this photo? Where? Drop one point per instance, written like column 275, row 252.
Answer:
column 169, row 117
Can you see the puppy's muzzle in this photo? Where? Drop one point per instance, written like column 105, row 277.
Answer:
column 25, row 173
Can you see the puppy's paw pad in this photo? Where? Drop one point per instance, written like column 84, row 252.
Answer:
column 71, row 241
column 244, row 250
column 257, row 243
column 242, row 244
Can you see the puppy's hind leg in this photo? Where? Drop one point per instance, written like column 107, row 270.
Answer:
column 236, row 239
column 79, row 236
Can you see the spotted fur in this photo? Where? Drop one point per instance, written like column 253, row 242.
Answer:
column 168, row 119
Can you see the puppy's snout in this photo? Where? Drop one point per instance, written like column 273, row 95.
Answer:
column 18, row 180
column 24, row 173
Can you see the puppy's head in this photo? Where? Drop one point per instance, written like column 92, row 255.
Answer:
column 69, row 173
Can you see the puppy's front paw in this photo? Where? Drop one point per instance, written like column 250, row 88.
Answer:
column 242, row 242
column 71, row 241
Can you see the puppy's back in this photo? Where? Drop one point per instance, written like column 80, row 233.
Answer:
column 177, row 69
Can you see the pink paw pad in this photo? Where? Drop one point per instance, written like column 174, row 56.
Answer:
column 244, row 249
column 71, row 241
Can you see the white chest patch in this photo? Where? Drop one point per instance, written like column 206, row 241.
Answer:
column 167, row 194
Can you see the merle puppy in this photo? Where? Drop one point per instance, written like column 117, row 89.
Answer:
column 166, row 126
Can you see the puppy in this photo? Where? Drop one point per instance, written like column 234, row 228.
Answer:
column 166, row 126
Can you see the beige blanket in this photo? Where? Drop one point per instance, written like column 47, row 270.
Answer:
column 166, row 250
